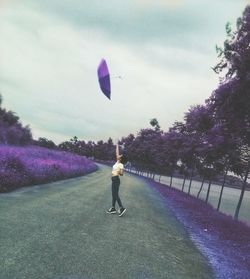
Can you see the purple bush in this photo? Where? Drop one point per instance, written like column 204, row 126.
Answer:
column 23, row 166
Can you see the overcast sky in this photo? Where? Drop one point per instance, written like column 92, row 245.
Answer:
column 164, row 51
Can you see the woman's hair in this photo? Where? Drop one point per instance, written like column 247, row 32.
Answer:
column 123, row 158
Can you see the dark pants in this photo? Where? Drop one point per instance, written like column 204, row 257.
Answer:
column 115, row 189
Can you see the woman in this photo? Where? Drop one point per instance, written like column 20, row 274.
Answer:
column 118, row 170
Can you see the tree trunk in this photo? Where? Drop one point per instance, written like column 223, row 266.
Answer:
column 171, row 179
column 203, row 180
column 160, row 178
column 221, row 191
column 183, row 184
column 190, row 182
column 208, row 189
column 236, row 215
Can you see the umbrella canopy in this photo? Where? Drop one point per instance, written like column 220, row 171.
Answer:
column 104, row 78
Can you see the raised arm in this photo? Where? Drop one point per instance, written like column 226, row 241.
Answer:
column 117, row 151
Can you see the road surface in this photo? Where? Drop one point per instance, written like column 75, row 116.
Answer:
column 61, row 231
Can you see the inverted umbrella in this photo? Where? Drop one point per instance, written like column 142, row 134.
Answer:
column 104, row 78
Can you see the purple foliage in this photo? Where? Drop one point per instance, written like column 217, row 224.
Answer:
column 23, row 166
column 231, row 100
column 11, row 129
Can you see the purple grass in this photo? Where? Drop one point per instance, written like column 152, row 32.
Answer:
column 224, row 241
column 24, row 166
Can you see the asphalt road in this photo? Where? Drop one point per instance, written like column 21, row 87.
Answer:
column 61, row 231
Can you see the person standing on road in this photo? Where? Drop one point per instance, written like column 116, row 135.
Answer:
column 117, row 171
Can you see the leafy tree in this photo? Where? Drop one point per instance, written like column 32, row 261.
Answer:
column 89, row 149
column 44, row 142
column 11, row 129
column 231, row 101
column 154, row 123
column 198, row 121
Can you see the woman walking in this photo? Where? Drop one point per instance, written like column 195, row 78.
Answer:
column 117, row 171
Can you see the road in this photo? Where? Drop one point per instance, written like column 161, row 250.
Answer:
column 61, row 231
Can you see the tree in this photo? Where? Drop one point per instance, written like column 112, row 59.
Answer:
column 198, row 121
column 231, row 101
column 154, row 123
column 11, row 129
column 44, row 142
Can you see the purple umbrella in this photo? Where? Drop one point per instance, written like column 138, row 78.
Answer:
column 104, row 78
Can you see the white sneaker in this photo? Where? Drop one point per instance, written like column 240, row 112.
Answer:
column 122, row 211
column 112, row 210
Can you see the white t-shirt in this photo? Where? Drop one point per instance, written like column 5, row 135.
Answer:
column 117, row 167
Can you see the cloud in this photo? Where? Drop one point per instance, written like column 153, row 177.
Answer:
column 189, row 20
column 49, row 60
column 123, row 20
column 145, row 4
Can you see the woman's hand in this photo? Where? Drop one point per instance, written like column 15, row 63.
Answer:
column 116, row 141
